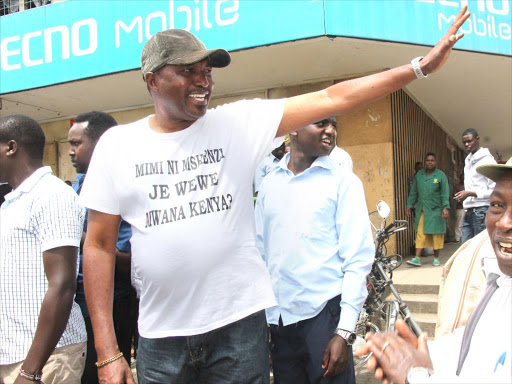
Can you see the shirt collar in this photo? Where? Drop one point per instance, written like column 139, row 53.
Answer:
column 80, row 178
column 321, row 162
column 29, row 183
column 433, row 174
column 489, row 264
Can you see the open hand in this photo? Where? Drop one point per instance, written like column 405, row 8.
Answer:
column 395, row 356
column 436, row 58
column 372, row 364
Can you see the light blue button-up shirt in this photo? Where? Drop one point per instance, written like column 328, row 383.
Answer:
column 268, row 164
column 314, row 234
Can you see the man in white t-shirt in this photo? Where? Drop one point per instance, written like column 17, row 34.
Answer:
column 477, row 188
column 183, row 179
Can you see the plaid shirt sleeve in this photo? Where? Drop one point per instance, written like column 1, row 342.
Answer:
column 58, row 219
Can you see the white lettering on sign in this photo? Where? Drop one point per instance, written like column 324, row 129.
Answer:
column 194, row 16
column 6, row 53
column 48, row 46
column 477, row 24
column 154, row 15
column 25, row 49
column 233, row 9
column 135, row 22
column 9, row 52
column 75, row 37
column 482, row 5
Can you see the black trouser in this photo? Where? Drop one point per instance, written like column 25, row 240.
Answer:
column 297, row 349
column 123, row 325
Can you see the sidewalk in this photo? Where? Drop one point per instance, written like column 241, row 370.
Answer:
column 426, row 274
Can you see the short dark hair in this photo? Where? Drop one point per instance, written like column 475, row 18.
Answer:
column 27, row 133
column 470, row 131
column 430, row 154
column 99, row 122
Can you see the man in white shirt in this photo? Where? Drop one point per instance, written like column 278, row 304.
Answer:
column 42, row 331
column 314, row 234
column 183, row 180
column 477, row 188
column 481, row 352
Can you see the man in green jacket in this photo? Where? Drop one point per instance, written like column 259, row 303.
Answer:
column 431, row 192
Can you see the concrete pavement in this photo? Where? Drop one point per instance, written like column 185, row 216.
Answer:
column 426, row 274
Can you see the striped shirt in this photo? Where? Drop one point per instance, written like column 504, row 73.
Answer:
column 41, row 214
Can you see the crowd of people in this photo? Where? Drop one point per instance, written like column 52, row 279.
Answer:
column 165, row 204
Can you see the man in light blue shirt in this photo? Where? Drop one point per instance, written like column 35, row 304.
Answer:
column 314, row 234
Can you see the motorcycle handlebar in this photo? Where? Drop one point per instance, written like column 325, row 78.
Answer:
column 386, row 232
column 398, row 224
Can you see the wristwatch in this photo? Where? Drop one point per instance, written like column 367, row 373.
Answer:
column 350, row 337
column 418, row 375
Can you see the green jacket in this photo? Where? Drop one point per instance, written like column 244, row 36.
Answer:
column 432, row 193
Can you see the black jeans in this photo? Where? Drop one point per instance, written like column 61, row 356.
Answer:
column 297, row 349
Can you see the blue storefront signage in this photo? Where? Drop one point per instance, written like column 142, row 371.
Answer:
column 489, row 29
column 78, row 39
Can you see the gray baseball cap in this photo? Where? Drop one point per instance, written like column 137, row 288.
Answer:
column 178, row 47
column 495, row 171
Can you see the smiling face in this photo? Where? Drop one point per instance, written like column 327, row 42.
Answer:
column 182, row 92
column 318, row 139
column 471, row 142
column 81, row 147
column 499, row 222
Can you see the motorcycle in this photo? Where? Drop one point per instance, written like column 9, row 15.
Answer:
column 379, row 282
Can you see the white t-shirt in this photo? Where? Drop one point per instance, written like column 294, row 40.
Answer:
column 188, row 197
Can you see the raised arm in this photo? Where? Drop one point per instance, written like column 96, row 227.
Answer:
column 349, row 95
column 99, row 265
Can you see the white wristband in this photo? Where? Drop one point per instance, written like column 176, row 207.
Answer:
column 416, row 67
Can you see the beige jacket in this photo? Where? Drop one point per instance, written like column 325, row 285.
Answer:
column 461, row 285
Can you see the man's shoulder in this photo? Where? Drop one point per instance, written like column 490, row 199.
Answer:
column 269, row 180
column 51, row 187
column 483, row 155
column 344, row 177
column 440, row 172
column 124, row 131
column 245, row 106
